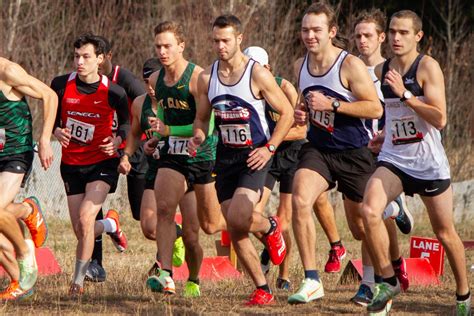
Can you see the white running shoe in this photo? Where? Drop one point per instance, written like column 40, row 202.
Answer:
column 309, row 290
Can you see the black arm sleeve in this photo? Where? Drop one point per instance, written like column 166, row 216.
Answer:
column 132, row 85
column 59, row 86
column 119, row 101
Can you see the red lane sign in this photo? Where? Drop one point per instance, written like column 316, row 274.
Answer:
column 429, row 248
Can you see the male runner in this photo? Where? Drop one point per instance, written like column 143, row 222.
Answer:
column 282, row 169
column 16, row 158
column 89, row 157
column 136, row 178
column 412, row 158
column 340, row 96
column 237, row 87
column 175, row 87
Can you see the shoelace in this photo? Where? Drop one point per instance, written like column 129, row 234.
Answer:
column 333, row 255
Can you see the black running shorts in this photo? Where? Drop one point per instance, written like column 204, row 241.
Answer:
column 232, row 172
column 284, row 166
column 350, row 169
column 18, row 163
column 76, row 178
column 412, row 185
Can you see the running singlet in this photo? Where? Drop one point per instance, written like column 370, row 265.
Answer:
column 331, row 131
column 240, row 116
column 89, row 117
column 411, row 144
column 15, row 127
column 179, row 110
column 380, row 123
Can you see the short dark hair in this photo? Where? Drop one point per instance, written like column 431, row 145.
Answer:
column 107, row 44
column 372, row 16
column 89, row 38
column 323, row 8
column 150, row 66
column 408, row 14
column 227, row 20
column 173, row 27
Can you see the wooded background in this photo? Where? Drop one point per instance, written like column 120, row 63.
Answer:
column 38, row 34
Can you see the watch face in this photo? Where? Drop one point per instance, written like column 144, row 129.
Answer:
column 335, row 104
column 407, row 94
column 272, row 148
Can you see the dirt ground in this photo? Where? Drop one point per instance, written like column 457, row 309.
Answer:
column 124, row 292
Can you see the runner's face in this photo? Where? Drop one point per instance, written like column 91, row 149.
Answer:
column 226, row 42
column 86, row 61
column 366, row 38
column 315, row 32
column 149, row 88
column 167, row 48
column 402, row 36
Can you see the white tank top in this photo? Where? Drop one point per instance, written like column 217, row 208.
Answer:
column 411, row 144
column 239, row 115
column 375, row 122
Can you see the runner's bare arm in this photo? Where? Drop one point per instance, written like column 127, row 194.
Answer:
column 203, row 111
column 433, row 108
column 301, row 111
column 28, row 85
column 297, row 131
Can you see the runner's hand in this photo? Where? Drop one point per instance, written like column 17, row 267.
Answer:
column 258, row 158
column 63, row 135
column 124, row 166
column 395, row 81
column 108, row 146
column 45, row 153
column 193, row 145
column 318, row 101
column 150, row 146
column 301, row 117
column 158, row 126
column 375, row 144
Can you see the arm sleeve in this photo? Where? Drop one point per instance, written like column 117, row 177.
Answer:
column 119, row 101
column 58, row 85
column 132, row 85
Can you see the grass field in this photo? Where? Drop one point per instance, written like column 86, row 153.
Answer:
column 125, row 292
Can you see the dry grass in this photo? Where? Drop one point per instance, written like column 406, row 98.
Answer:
column 125, row 292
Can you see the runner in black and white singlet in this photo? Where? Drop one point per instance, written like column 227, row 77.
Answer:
column 338, row 136
column 236, row 88
column 412, row 158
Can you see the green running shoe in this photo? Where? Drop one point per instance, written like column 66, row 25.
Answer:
column 463, row 308
column 28, row 268
column 161, row 282
column 178, row 251
column 191, row 289
column 383, row 294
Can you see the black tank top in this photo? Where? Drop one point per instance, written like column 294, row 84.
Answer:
column 409, row 80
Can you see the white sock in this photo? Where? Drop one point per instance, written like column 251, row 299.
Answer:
column 110, row 226
column 80, row 271
column 368, row 276
column 392, row 210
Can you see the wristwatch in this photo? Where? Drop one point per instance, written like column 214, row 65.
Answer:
column 335, row 105
column 406, row 95
column 271, row 148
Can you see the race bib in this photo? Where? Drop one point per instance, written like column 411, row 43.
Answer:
column 178, row 145
column 236, row 135
column 80, row 131
column 3, row 139
column 406, row 130
column 323, row 120
column 115, row 124
column 159, row 147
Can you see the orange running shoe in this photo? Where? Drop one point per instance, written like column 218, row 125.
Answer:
column 15, row 292
column 118, row 237
column 36, row 223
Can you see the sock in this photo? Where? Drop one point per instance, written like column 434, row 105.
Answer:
column 169, row 271
column 336, row 243
column 311, row 274
column 368, row 275
column 265, row 287
column 80, row 271
column 391, row 211
column 97, row 253
column 391, row 280
column 110, row 226
column 194, row 281
column 461, row 298
column 397, row 263
column 179, row 231
column 265, row 257
column 378, row 279
column 273, row 225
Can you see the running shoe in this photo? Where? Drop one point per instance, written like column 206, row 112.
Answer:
column 463, row 308
column 95, row 272
column 404, row 220
column 191, row 289
column 15, row 292
column 154, row 270
column 265, row 261
column 161, row 282
column 336, row 254
column 363, row 296
column 75, row 290
column 402, row 276
column 118, row 237
column 260, row 297
column 35, row 222
column 309, row 290
column 28, row 268
column 178, row 251
column 275, row 243
column 383, row 294
column 384, row 312
column 283, row 284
